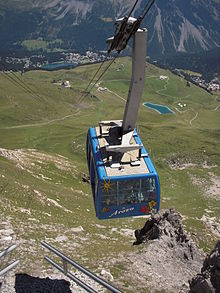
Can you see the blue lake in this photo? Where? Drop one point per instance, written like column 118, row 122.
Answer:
column 55, row 66
column 161, row 109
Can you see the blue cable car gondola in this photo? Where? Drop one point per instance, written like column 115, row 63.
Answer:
column 123, row 179
column 121, row 191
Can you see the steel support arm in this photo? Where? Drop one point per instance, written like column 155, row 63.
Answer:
column 137, row 80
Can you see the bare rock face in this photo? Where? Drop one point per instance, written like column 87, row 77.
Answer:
column 85, row 178
column 166, row 257
column 167, row 225
column 208, row 281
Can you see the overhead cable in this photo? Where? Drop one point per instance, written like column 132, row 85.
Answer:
column 19, row 83
column 115, row 43
column 133, row 8
column 26, row 85
column 147, row 8
column 86, row 94
column 122, row 30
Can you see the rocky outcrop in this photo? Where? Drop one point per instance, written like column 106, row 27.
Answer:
column 26, row 284
column 85, row 178
column 167, row 225
column 208, row 281
column 166, row 257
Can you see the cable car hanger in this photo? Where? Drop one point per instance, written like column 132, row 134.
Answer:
column 124, row 180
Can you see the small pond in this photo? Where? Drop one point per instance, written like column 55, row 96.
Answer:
column 55, row 66
column 161, row 109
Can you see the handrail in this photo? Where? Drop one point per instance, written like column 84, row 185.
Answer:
column 7, row 250
column 13, row 264
column 8, row 268
column 66, row 260
column 71, row 276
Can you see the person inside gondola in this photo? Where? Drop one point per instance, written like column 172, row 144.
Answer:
column 152, row 196
column 132, row 197
column 140, row 197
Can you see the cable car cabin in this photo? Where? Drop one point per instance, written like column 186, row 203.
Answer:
column 123, row 179
column 123, row 184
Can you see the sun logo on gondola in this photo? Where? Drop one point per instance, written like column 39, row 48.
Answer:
column 106, row 185
column 152, row 204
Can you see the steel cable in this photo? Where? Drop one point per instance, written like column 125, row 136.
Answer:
column 121, row 31
column 86, row 94
column 133, row 8
column 14, row 82
column 25, row 85
column 147, row 8
column 83, row 96
column 18, row 84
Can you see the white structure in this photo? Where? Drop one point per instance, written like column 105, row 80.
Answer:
column 66, row 84
column 181, row 105
column 163, row 77
column 102, row 89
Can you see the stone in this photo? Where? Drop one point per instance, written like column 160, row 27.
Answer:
column 85, row 178
column 209, row 279
column 173, row 255
column 200, row 285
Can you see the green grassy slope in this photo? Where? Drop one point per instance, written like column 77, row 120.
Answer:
column 42, row 160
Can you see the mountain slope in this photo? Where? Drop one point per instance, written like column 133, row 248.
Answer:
column 43, row 159
column 184, row 26
column 174, row 25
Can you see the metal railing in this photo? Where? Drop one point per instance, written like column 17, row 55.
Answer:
column 13, row 264
column 64, row 269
